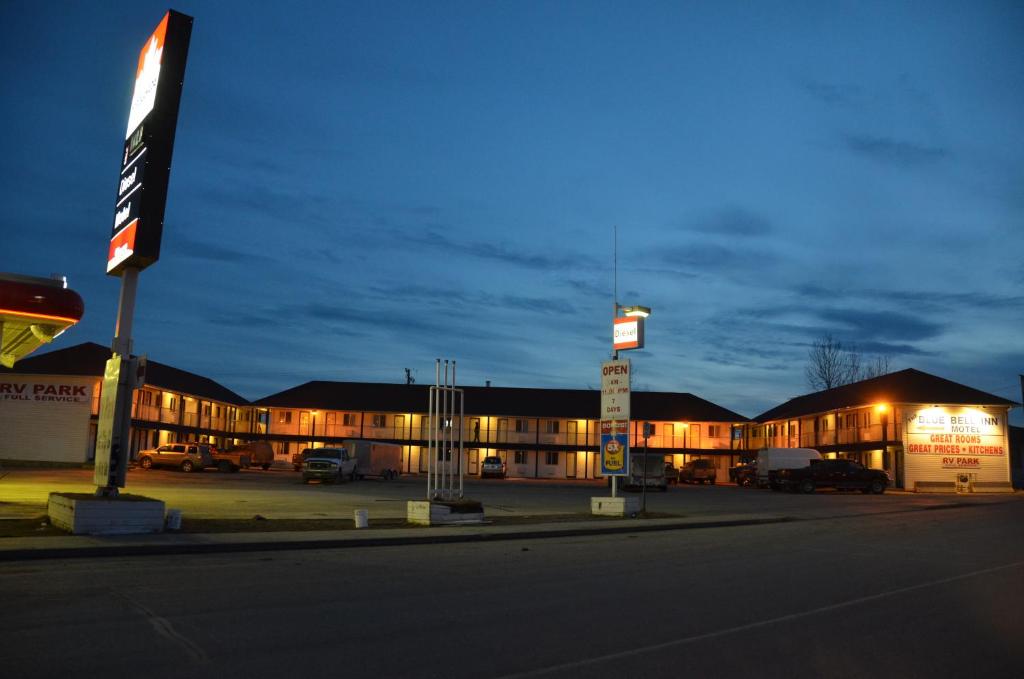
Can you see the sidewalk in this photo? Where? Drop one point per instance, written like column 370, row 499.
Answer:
column 92, row 546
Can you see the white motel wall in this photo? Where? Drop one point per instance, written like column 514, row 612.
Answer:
column 45, row 418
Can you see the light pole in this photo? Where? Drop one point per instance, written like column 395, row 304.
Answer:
column 312, row 431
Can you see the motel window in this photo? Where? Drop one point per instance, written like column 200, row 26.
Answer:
column 206, row 409
column 551, row 426
column 284, row 417
column 714, row 431
column 147, row 398
column 172, row 403
column 348, row 419
column 380, row 420
column 520, row 457
column 551, row 458
column 522, row 426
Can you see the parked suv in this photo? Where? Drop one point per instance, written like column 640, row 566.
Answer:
column 698, row 471
column 328, row 464
column 187, row 457
column 492, row 466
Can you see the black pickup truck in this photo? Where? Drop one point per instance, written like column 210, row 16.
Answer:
column 838, row 474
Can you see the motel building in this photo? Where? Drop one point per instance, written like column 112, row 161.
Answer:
column 539, row 433
column 928, row 433
column 49, row 407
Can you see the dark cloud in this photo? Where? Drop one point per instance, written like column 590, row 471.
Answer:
column 499, row 252
column 735, row 222
column 921, row 300
column 184, row 246
column 880, row 324
column 894, row 151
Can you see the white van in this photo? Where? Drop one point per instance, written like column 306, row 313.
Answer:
column 770, row 459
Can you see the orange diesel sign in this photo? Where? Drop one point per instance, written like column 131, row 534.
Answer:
column 628, row 333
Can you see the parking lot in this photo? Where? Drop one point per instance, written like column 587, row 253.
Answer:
column 280, row 494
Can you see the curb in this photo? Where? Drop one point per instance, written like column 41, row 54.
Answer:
column 341, row 543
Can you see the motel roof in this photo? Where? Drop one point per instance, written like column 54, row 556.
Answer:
column 905, row 386
column 505, row 401
column 90, row 359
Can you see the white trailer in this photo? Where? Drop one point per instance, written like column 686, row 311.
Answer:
column 772, row 459
column 375, row 459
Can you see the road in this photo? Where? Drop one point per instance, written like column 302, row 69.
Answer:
column 899, row 594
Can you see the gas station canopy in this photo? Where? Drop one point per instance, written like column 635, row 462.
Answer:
column 32, row 312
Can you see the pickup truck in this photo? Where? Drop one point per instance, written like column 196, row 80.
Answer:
column 229, row 460
column 838, row 474
column 698, row 471
column 328, row 464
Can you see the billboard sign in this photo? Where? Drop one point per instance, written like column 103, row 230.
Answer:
column 138, row 220
column 628, row 333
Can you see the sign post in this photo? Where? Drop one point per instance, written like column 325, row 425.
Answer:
column 138, row 226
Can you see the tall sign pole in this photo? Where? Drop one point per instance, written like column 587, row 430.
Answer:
column 138, row 227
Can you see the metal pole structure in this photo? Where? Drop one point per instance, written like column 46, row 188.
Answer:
column 126, row 313
column 643, row 503
column 615, row 314
column 431, row 425
column 445, row 435
column 462, row 413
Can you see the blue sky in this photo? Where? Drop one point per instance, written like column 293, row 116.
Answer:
column 361, row 188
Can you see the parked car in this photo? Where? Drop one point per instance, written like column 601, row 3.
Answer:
column 492, row 466
column 328, row 464
column 698, row 471
column 671, row 473
column 838, row 474
column 298, row 458
column 260, row 453
column 188, row 457
column 744, row 474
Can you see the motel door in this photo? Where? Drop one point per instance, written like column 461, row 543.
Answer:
column 570, row 464
column 474, row 461
column 502, row 430
column 399, row 427
column 571, row 432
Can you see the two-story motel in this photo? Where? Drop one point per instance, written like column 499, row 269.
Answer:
column 918, row 427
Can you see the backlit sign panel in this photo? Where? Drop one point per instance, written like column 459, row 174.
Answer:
column 138, row 219
column 628, row 333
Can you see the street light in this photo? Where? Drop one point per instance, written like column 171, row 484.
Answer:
column 636, row 310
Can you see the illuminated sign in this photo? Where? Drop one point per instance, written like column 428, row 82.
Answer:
column 628, row 333
column 960, row 435
column 615, row 390
column 138, row 219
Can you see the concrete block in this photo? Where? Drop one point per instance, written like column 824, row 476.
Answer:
column 83, row 514
column 624, row 506
column 428, row 513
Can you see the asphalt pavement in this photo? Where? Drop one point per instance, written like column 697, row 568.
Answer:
column 541, row 509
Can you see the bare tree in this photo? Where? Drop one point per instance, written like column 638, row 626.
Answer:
column 832, row 364
column 829, row 364
column 876, row 367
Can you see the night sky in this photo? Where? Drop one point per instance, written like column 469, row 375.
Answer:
column 361, row 188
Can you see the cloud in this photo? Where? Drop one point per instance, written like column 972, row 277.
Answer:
column 881, row 324
column 734, row 222
column 184, row 246
column 831, row 93
column 894, row 151
column 500, row 252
